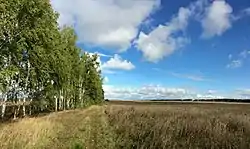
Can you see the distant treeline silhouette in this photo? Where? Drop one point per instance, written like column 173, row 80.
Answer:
column 206, row 100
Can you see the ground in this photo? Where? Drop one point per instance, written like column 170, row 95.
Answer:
column 134, row 125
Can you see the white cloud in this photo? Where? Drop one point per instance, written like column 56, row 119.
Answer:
column 114, row 63
column 102, row 55
column 156, row 92
column 114, row 24
column 209, row 96
column 230, row 56
column 244, row 13
column 99, row 54
column 145, row 92
column 217, row 19
column 117, row 63
column 235, row 64
column 161, row 42
column 243, row 93
column 210, row 92
column 107, row 23
column 167, row 38
column 197, row 8
column 242, row 56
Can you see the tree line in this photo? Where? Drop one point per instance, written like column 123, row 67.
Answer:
column 41, row 68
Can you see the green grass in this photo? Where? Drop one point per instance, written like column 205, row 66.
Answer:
column 134, row 125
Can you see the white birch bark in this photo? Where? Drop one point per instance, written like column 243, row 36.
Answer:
column 4, row 106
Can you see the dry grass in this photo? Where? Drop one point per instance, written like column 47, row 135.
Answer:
column 83, row 129
column 181, row 126
column 27, row 133
column 134, row 125
column 63, row 130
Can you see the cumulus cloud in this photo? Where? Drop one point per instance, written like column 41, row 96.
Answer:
column 117, row 63
column 161, row 42
column 218, row 19
column 168, row 37
column 155, row 92
column 209, row 96
column 107, row 23
column 114, row 24
column 145, row 92
column 114, row 63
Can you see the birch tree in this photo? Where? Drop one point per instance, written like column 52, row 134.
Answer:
column 40, row 63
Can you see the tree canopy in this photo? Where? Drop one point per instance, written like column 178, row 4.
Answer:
column 40, row 63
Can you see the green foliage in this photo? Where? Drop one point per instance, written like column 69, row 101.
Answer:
column 40, row 62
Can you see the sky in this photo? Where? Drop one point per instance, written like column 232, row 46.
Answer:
column 164, row 49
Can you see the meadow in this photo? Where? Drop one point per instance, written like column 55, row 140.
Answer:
column 134, row 125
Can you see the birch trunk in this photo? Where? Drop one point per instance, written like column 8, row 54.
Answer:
column 30, row 112
column 19, row 106
column 60, row 100
column 4, row 106
column 55, row 103
column 26, row 87
column 24, row 110
column 15, row 112
column 68, row 101
column 63, row 99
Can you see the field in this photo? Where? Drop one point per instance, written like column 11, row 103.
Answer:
column 139, row 125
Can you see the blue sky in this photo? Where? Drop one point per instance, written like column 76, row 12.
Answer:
column 165, row 49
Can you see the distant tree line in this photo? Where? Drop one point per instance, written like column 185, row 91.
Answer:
column 207, row 100
column 41, row 68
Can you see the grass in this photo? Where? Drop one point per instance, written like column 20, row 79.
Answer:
column 132, row 125
column 27, row 133
column 63, row 130
column 181, row 125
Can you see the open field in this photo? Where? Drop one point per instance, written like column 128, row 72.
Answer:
column 135, row 125
column 181, row 125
